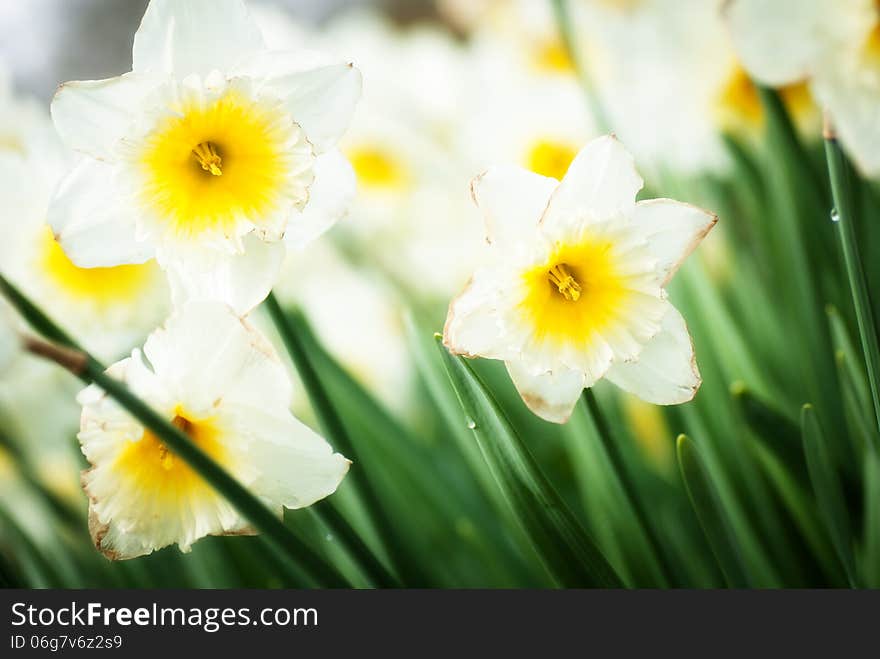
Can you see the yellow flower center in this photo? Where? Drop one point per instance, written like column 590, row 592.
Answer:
column 154, row 472
column 552, row 57
column 649, row 429
column 107, row 287
column 871, row 46
column 208, row 165
column 550, row 158
column 578, row 292
column 11, row 143
column 376, row 167
column 739, row 103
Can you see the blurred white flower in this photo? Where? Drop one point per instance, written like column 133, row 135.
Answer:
column 25, row 127
column 574, row 286
column 535, row 122
column 666, row 72
column 404, row 144
column 108, row 309
column 835, row 44
column 217, row 379
column 359, row 322
column 525, row 30
column 204, row 155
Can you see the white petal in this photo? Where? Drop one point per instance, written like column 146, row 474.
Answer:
column 852, row 105
column 297, row 466
column 319, row 95
column 240, row 280
column 601, row 183
column 92, row 116
column 472, row 328
column 551, row 395
column 330, row 196
column 512, row 201
column 94, row 226
column 666, row 372
column 182, row 37
column 205, row 350
column 780, row 42
column 673, row 230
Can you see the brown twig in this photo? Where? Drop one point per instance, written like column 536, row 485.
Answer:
column 72, row 360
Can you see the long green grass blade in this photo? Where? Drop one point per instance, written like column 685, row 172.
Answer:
column 801, row 216
column 779, row 433
column 845, row 216
column 628, row 485
column 710, row 513
column 801, row 508
column 295, row 334
column 826, row 487
column 568, row 552
column 871, row 552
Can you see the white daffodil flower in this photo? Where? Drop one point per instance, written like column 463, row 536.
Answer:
column 217, row 379
column 204, row 155
column 834, row 44
column 574, row 287
column 669, row 80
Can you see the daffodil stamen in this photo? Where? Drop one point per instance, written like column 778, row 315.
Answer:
column 207, row 156
column 568, row 286
column 166, row 458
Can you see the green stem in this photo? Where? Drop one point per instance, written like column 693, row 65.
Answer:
column 841, row 189
column 88, row 369
column 566, row 33
column 327, row 513
column 588, row 399
column 332, row 425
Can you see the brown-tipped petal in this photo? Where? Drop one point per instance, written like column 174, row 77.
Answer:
column 551, row 395
column 673, row 230
column 666, row 372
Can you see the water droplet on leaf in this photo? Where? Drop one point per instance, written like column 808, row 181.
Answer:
column 834, row 216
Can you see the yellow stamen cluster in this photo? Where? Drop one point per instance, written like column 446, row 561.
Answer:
column 207, row 156
column 568, row 286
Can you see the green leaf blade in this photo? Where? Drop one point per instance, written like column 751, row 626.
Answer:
column 710, row 513
column 568, row 552
column 827, row 489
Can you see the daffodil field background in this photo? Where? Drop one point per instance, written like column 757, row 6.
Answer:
column 769, row 478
